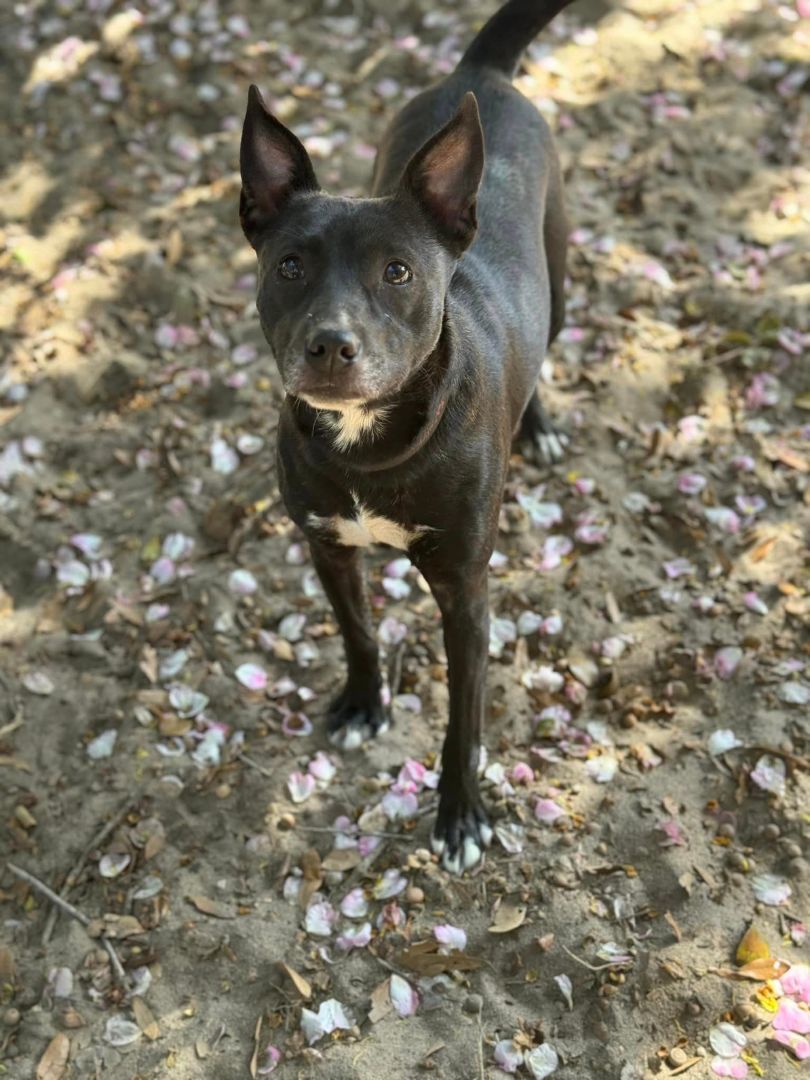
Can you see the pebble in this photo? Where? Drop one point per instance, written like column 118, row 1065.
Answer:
column 677, row 1056
column 286, row 821
column 737, row 879
column 223, row 791
column 738, row 860
column 727, row 829
column 771, row 832
column 695, row 1008
column 423, row 855
column 473, row 1004
column 791, row 849
column 798, row 867
column 11, row 1017
column 414, row 895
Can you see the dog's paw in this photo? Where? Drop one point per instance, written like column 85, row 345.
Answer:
column 541, row 439
column 460, row 836
column 352, row 721
column 549, row 446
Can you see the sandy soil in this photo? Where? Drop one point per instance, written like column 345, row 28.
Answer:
column 137, row 415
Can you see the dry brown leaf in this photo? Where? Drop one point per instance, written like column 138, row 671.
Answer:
column 380, row 1002
column 71, row 1018
column 217, row 909
column 52, row 1063
column 145, row 1019
column 254, row 1060
column 344, row 859
column 676, row 930
column 313, row 877
column 424, row 958
column 298, row 981
column 753, row 946
column 508, row 917
column 149, row 663
column 169, row 725
column 7, row 965
column 763, row 549
column 114, row 926
column 763, row 969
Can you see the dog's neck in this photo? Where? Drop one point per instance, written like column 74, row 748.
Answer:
column 384, row 434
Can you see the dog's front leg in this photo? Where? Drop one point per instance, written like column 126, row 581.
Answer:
column 461, row 830
column 357, row 713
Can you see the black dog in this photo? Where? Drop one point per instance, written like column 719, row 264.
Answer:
column 409, row 343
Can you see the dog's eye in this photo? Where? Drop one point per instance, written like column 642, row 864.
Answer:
column 291, row 267
column 397, row 273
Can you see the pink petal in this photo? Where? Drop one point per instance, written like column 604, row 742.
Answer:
column 252, row 676
column 547, row 811
column 691, row 483
column 356, row 939
column 300, row 786
column 792, row 1017
column 321, row 767
column 507, row 1057
column 450, row 936
column 799, row 1045
column 296, row 724
column 354, row 904
column 727, row 660
column 403, row 996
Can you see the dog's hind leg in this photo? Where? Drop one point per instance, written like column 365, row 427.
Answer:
column 538, row 433
column 357, row 713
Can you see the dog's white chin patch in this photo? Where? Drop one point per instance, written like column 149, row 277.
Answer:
column 349, row 422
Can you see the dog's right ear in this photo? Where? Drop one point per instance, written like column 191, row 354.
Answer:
column 273, row 163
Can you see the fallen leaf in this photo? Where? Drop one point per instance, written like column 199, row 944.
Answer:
column 254, row 1060
column 298, row 981
column 52, row 1063
column 508, row 917
column 217, row 909
column 343, row 859
column 7, row 965
column 752, row 947
column 114, row 926
column 145, row 1019
column 381, row 1004
column 676, row 930
column 424, row 958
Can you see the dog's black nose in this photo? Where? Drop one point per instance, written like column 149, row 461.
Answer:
column 331, row 344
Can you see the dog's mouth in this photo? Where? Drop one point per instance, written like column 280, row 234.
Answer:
column 329, row 397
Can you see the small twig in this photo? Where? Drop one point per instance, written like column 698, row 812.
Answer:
column 794, row 759
column 54, row 898
column 333, row 829
column 74, row 913
column 73, row 875
column 592, row 967
column 481, row 1046
column 12, row 725
column 269, row 773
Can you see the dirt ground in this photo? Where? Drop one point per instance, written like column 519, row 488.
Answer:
column 166, row 656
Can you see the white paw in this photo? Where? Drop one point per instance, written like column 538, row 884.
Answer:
column 347, row 738
column 486, row 834
column 551, row 446
column 436, row 845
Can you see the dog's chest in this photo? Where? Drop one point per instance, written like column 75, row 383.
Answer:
column 365, row 527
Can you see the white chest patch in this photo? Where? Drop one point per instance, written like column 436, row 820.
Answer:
column 367, row 528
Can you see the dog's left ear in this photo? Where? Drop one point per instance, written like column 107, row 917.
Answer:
column 445, row 175
column 274, row 165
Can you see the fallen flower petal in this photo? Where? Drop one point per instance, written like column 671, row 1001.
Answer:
column 507, row 1057
column 450, row 937
column 542, row 1061
column 319, row 919
column 723, row 740
column 300, row 786
column 771, row 889
column 252, row 676
column 726, row 661
column 330, row 1017
column 792, row 1017
column 403, row 996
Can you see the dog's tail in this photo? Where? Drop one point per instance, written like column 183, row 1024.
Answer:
column 500, row 42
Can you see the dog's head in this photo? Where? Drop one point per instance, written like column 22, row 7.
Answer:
column 351, row 292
